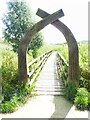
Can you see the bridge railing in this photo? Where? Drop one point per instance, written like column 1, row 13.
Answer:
column 35, row 66
column 62, row 68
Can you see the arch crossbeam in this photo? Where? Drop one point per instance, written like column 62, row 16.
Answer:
column 73, row 72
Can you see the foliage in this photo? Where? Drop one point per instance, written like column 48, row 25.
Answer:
column 63, row 49
column 83, row 61
column 17, row 21
column 7, row 107
column 20, row 96
column 14, row 94
column 85, row 73
column 36, row 43
column 62, row 70
column 83, row 83
column 70, row 92
column 9, row 73
column 30, row 56
column 46, row 47
column 83, row 55
column 81, row 99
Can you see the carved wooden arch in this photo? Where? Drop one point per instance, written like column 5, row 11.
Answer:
column 22, row 51
column 73, row 72
column 72, row 45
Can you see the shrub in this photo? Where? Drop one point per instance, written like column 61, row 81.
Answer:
column 81, row 99
column 64, row 74
column 9, row 73
column 85, row 73
column 83, row 83
column 20, row 96
column 14, row 93
column 7, row 107
column 70, row 91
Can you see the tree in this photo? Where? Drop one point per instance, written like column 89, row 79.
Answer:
column 36, row 43
column 17, row 20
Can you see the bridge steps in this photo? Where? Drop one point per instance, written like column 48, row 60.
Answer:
column 47, row 83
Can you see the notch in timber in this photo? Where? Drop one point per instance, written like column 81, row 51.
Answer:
column 40, row 12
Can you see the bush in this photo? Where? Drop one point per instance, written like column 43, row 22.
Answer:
column 64, row 74
column 9, row 73
column 83, row 83
column 7, row 107
column 14, row 93
column 70, row 92
column 20, row 96
column 85, row 73
column 85, row 78
column 81, row 99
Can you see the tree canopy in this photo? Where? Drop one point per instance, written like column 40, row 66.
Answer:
column 17, row 20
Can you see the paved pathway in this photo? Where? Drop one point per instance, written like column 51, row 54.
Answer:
column 47, row 104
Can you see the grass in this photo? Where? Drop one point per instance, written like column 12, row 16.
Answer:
column 83, row 53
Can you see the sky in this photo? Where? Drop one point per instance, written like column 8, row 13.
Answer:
column 76, row 17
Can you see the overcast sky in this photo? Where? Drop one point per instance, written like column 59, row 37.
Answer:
column 76, row 17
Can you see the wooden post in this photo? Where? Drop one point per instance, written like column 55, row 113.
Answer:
column 22, row 51
column 73, row 72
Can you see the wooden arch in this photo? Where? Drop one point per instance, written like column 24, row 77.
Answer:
column 73, row 71
column 72, row 45
column 22, row 51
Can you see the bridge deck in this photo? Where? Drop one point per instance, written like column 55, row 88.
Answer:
column 47, row 83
